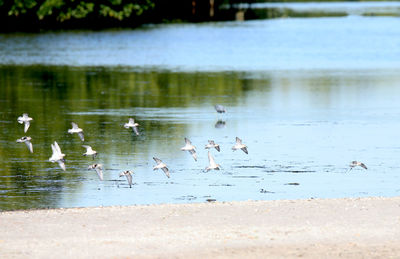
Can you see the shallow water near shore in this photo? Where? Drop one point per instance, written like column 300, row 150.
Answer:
column 302, row 131
column 305, row 107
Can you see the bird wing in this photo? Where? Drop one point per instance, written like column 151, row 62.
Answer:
column 135, row 130
column 99, row 172
column 217, row 148
column 74, row 125
column 29, row 145
column 57, row 148
column 158, row 161
column 54, row 149
column 81, row 136
column 166, row 171
column 187, row 141
column 22, row 118
column 238, row 140
column 26, row 127
column 363, row 166
column 193, row 153
column 62, row 164
column 245, row 150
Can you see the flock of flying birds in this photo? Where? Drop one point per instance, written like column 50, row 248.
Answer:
column 58, row 156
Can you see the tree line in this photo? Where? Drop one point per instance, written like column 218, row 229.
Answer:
column 33, row 15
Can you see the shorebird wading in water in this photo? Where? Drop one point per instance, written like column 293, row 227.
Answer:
column 76, row 129
column 128, row 175
column 190, row 148
column 26, row 120
column 211, row 144
column 89, row 151
column 357, row 163
column 99, row 170
column 132, row 124
column 27, row 141
column 212, row 165
column 161, row 165
column 57, row 155
column 240, row 145
column 220, row 108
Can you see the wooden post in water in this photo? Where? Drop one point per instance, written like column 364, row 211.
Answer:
column 240, row 15
column 211, row 8
column 193, row 7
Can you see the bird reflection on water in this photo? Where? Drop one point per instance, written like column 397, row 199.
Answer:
column 220, row 124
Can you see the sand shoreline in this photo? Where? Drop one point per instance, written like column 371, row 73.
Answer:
column 329, row 228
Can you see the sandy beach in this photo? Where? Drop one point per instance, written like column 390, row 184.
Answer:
column 315, row 228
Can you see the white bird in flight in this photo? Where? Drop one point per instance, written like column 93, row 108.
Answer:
column 240, row 145
column 211, row 144
column 76, row 129
column 357, row 163
column 57, row 155
column 26, row 120
column 132, row 124
column 99, row 170
column 190, row 148
column 212, row 165
column 27, row 141
column 128, row 174
column 89, row 151
column 161, row 165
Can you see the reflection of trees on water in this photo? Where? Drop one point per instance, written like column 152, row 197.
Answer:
column 99, row 88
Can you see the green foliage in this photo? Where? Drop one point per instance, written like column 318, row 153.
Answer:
column 47, row 7
column 60, row 11
column 122, row 12
column 79, row 11
column 21, row 7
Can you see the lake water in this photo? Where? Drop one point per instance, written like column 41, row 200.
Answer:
column 306, row 95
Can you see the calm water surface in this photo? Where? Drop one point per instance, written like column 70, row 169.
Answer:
column 307, row 95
